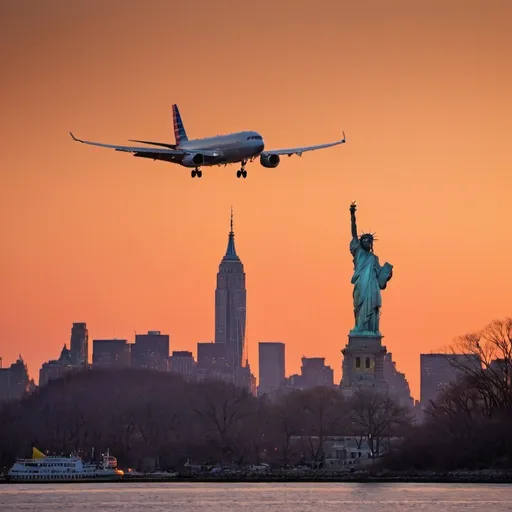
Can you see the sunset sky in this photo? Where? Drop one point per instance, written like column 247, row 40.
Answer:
column 422, row 90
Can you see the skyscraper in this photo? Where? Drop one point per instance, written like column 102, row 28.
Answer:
column 14, row 381
column 315, row 372
column 79, row 345
column 110, row 353
column 271, row 363
column 398, row 387
column 230, row 305
column 440, row 370
column 151, row 350
column 182, row 362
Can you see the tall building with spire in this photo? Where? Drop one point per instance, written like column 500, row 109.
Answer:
column 230, row 305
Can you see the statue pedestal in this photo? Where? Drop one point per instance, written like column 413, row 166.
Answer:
column 363, row 363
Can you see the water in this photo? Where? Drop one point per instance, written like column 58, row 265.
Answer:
column 293, row 497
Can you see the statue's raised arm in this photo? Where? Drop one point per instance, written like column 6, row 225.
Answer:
column 353, row 220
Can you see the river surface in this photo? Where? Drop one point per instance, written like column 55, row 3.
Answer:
column 256, row 497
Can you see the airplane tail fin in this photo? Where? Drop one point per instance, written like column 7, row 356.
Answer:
column 179, row 131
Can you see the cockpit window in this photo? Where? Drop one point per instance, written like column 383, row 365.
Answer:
column 255, row 137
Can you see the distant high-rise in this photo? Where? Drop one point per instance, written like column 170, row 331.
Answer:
column 79, row 345
column 230, row 305
column 56, row 368
column 151, row 350
column 316, row 373
column 271, row 366
column 14, row 381
column 182, row 362
column 110, row 353
column 398, row 387
column 211, row 357
column 440, row 370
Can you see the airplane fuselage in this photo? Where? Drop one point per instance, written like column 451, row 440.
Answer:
column 234, row 147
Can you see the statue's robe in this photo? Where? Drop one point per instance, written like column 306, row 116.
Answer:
column 367, row 295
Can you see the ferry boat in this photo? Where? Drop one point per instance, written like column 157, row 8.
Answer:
column 46, row 468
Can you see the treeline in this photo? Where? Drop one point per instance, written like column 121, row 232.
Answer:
column 470, row 425
column 139, row 414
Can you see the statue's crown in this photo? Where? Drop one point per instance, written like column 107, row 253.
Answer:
column 371, row 236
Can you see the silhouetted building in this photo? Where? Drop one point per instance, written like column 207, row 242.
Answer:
column 230, row 305
column 14, row 381
column 151, row 351
column 294, row 382
column 79, row 345
column 500, row 371
column 245, row 379
column 110, row 353
column 440, row 370
column 316, row 373
column 398, row 387
column 211, row 357
column 182, row 362
column 56, row 368
column 271, row 367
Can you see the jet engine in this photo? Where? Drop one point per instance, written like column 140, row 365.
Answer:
column 269, row 161
column 193, row 160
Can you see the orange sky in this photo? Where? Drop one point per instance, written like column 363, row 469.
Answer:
column 422, row 90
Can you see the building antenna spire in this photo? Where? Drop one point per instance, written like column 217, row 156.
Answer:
column 231, row 223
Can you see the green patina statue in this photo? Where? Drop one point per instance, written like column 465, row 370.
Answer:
column 369, row 279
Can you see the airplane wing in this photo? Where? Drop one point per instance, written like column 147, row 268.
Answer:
column 138, row 149
column 299, row 151
column 162, row 144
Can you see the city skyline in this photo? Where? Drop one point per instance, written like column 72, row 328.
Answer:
column 422, row 92
column 153, row 349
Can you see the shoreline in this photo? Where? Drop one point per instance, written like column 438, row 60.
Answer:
column 466, row 478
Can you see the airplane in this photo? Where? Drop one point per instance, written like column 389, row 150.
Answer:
column 240, row 147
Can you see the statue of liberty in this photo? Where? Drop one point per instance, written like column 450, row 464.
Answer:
column 369, row 279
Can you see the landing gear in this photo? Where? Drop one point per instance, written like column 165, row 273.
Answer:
column 242, row 172
column 196, row 172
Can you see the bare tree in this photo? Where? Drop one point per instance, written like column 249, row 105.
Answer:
column 222, row 409
column 323, row 414
column 376, row 416
column 491, row 348
column 286, row 414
